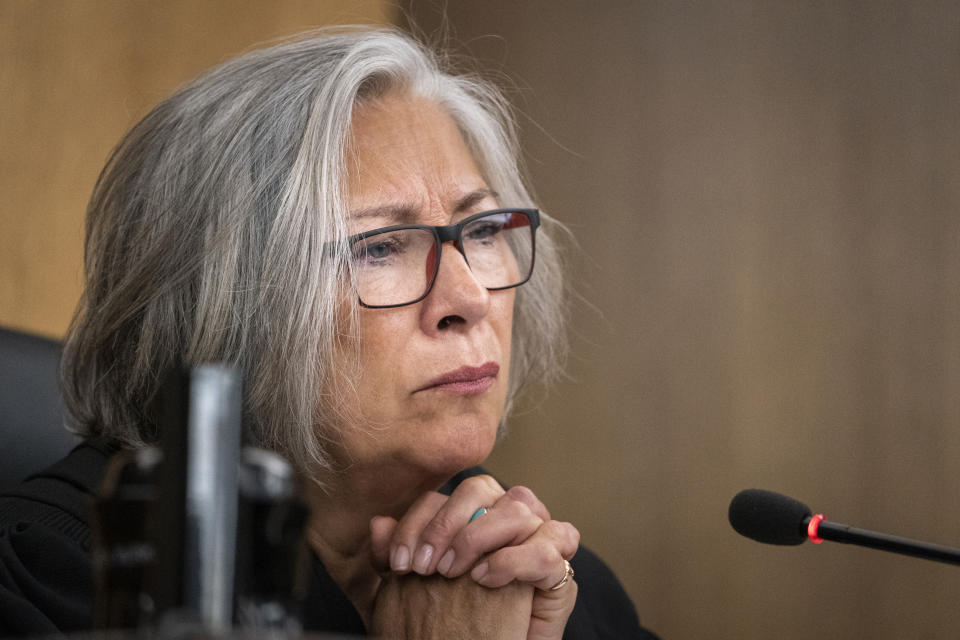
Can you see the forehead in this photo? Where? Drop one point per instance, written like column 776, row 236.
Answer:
column 407, row 152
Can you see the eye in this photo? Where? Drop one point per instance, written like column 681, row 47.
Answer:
column 484, row 229
column 379, row 249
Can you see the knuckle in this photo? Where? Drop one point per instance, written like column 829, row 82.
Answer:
column 555, row 529
column 440, row 529
column 547, row 562
column 418, row 517
column 473, row 481
column 564, row 534
column 490, row 488
column 466, row 540
column 492, row 483
column 482, row 485
column 547, row 553
column 521, row 494
column 517, row 509
column 507, row 557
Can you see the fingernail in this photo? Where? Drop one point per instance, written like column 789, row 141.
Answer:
column 446, row 562
column 422, row 562
column 401, row 559
column 479, row 571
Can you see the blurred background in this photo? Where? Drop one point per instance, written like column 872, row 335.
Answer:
column 766, row 199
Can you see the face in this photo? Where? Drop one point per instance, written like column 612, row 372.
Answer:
column 434, row 374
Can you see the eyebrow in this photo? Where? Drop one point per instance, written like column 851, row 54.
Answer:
column 407, row 214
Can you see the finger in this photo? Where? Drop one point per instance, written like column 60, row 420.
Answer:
column 509, row 522
column 404, row 543
column 451, row 518
column 538, row 561
column 381, row 532
column 550, row 611
column 425, row 607
column 529, row 498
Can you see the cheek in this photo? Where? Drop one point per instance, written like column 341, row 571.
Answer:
column 365, row 360
column 383, row 336
column 384, row 332
column 502, row 310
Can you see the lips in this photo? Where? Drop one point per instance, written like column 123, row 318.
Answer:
column 465, row 380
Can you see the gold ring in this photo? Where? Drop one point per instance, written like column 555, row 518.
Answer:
column 567, row 574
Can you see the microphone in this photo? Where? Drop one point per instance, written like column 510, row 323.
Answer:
column 773, row 518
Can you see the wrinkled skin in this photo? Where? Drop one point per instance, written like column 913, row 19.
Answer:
column 410, row 559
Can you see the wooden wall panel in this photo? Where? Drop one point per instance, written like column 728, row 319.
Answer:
column 74, row 77
column 767, row 200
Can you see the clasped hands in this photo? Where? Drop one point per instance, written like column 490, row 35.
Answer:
column 445, row 575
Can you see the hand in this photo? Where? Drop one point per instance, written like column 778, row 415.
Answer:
column 419, row 607
column 514, row 541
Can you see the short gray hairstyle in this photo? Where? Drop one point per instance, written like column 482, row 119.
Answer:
column 206, row 232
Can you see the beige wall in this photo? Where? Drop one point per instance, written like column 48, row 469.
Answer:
column 767, row 196
column 74, row 77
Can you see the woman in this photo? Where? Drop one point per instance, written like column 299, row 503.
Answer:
column 346, row 223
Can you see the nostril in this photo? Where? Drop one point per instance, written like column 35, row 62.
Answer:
column 447, row 321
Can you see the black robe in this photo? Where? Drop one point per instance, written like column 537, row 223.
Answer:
column 46, row 583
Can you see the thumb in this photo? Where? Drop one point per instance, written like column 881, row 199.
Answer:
column 551, row 609
column 381, row 532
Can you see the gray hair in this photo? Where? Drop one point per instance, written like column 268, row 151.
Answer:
column 206, row 236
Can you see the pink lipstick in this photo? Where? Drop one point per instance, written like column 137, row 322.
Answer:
column 465, row 380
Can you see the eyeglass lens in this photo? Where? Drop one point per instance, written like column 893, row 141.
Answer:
column 398, row 267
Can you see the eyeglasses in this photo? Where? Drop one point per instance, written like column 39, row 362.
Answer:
column 396, row 266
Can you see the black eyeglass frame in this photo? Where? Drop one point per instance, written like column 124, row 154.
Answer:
column 453, row 233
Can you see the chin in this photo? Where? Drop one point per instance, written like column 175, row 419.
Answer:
column 466, row 447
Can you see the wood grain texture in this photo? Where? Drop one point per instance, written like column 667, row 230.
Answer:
column 767, row 200
column 74, row 77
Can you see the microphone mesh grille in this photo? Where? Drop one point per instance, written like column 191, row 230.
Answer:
column 769, row 517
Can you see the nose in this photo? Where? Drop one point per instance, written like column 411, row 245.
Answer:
column 457, row 300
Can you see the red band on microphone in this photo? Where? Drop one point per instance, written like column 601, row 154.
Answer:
column 813, row 527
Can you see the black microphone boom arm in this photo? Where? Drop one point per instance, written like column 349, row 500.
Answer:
column 837, row 532
column 773, row 518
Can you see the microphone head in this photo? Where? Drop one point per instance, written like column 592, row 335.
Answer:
column 769, row 517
